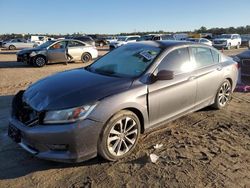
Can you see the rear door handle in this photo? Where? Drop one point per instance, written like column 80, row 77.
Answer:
column 219, row 68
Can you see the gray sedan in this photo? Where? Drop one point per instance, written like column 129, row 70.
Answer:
column 103, row 108
column 55, row 51
column 18, row 44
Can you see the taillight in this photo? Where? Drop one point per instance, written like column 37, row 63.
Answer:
column 237, row 65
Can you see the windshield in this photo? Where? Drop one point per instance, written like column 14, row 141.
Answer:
column 128, row 61
column 121, row 38
column 46, row 44
column 225, row 36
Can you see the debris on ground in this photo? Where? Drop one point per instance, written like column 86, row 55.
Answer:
column 158, row 146
column 153, row 158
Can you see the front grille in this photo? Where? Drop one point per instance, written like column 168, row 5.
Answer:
column 218, row 42
column 245, row 67
column 23, row 112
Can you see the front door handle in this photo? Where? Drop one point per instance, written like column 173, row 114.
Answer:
column 191, row 77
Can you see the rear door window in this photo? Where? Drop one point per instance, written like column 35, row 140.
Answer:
column 216, row 56
column 203, row 56
column 75, row 44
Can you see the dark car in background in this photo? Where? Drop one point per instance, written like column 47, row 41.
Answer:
column 99, row 40
column 84, row 38
column 243, row 60
column 245, row 41
column 156, row 37
column 103, row 108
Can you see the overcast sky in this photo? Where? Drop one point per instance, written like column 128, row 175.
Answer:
column 116, row 16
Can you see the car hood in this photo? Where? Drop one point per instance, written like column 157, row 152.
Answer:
column 244, row 55
column 29, row 50
column 72, row 88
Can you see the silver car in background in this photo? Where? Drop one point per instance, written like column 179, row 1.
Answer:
column 18, row 44
column 55, row 51
column 104, row 107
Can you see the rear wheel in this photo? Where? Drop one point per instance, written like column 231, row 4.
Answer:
column 86, row 58
column 39, row 61
column 12, row 47
column 238, row 46
column 120, row 136
column 223, row 95
column 101, row 44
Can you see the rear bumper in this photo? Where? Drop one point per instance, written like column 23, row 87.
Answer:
column 74, row 142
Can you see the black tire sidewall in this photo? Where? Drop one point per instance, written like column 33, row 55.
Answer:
column 217, row 103
column 86, row 54
column 12, row 47
column 102, row 143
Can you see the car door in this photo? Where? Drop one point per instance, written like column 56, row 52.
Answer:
column 16, row 43
column 208, row 73
column 170, row 98
column 57, row 52
column 75, row 49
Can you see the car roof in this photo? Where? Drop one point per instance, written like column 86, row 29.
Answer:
column 58, row 40
column 164, row 44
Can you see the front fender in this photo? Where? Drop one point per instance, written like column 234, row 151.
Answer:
column 135, row 98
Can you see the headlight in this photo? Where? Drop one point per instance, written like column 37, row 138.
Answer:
column 32, row 54
column 68, row 115
column 237, row 59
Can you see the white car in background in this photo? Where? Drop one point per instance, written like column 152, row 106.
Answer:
column 40, row 39
column 201, row 40
column 121, row 40
column 18, row 44
column 111, row 39
column 227, row 41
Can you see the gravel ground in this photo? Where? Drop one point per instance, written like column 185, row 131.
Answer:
column 207, row 148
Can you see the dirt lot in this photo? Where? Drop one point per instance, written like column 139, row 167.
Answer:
column 207, row 148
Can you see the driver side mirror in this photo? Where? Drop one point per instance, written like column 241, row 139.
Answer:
column 161, row 75
column 165, row 75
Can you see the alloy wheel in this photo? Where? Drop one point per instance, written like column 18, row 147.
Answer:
column 224, row 94
column 122, row 136
column 40, row 61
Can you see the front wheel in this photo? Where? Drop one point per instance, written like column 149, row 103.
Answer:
column 223, row 95
column 86, row 58
column 39, row 61
column 12, row 47
column 120, row 136
column 229, row 46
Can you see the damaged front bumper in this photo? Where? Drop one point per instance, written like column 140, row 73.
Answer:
column 73, row 142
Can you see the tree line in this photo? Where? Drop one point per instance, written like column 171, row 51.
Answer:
column 215, row 31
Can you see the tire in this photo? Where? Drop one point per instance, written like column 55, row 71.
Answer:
column 229, row 46
column 223, row 96
column 12, row 47
column 238, row 46
column 119, row 136
column 39, row 61
column 86, row 58
column 101, row 44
